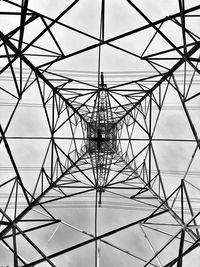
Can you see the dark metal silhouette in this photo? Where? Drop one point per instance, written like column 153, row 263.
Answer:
column 100, row 145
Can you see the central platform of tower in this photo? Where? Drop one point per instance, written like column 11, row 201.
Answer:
column 101, row 137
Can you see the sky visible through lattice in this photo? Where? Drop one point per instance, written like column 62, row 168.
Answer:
column 50, row 77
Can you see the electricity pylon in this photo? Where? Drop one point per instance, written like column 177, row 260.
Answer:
column 99, row 152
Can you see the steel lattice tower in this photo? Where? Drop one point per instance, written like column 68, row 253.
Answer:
column 99, row 133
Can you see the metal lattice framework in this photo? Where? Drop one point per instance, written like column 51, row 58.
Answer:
column 99, row 133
